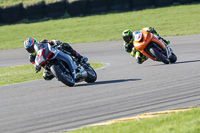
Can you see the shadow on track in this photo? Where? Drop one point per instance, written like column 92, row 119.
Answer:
column 107, row 82
column 187, row 61
column 181, row 62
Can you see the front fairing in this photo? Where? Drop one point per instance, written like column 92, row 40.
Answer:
column 50, row 53
column 66, row 58
column 142, row 39
column 42, row 53
column 137, row 35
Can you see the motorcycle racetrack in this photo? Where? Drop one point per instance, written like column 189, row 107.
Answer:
column 123, row 88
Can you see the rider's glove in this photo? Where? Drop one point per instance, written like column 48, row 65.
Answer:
column 83, row 59
column 37, row 68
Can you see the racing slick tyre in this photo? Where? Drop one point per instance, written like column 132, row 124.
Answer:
column 92, row 76
column 61, row 74
column 159, row 55
column 173, row 58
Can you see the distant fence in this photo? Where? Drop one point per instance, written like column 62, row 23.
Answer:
column 40, row 10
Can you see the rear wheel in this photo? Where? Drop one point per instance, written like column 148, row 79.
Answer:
column 91, row 75
column 173, row 58
column 60, row 72
column 159, row 55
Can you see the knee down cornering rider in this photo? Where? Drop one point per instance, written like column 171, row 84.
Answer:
column 30, row 44
column 128, row 37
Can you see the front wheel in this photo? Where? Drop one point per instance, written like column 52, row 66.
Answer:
column 62, row 75
column 91, row 75
column 159, row 55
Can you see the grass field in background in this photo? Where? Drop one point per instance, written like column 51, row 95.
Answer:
column 17, row 74
column 168, row 21
column 182, row 122
column 6, row 3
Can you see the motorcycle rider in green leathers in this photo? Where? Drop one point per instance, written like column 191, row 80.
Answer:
column 128, row 37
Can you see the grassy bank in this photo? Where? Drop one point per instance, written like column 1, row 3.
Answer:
column 182, row 122
column 17, row 74
column 6, row 3
column 168, row 21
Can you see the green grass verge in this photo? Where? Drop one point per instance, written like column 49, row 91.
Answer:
column 182, row 122
column 17, row 74
column 168, row 21
column 7, row 3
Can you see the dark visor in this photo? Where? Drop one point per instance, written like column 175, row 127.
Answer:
column 127, row 39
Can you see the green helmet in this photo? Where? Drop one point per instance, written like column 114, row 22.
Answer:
column 127, row 36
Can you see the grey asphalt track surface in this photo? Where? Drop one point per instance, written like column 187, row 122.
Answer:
column 122, row 89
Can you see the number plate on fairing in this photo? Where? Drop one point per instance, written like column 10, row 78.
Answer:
column 138, row 37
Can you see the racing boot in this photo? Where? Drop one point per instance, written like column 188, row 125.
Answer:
column 152, row 30
column 83, row 59
column 166, row 41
